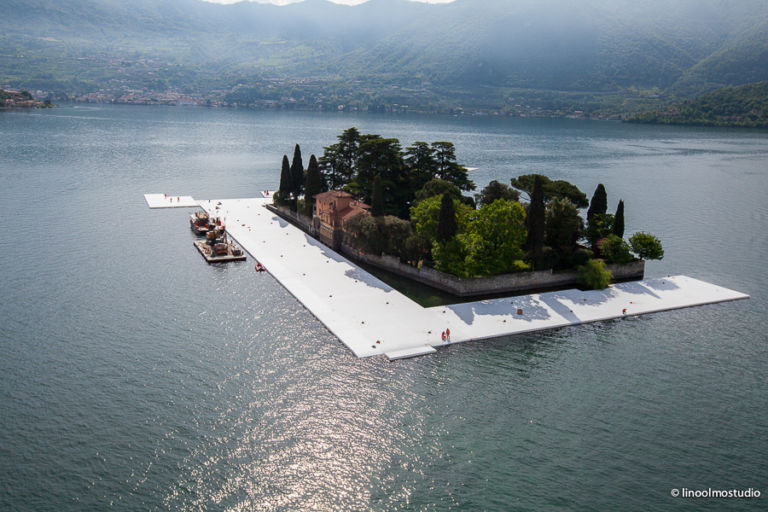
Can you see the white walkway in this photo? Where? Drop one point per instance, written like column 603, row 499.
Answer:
column 372, row 318
column 168, row 201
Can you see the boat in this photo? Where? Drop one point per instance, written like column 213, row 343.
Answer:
column 217, row 247
column 259, row 267
column 199, row 222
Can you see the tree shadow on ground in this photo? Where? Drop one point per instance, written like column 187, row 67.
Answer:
column 636, row 288
column 361, row 276
column 662, row 284
column 583, row 298
column 507, row 307
column 560, row 308
column 280, row 221
column 325, row 251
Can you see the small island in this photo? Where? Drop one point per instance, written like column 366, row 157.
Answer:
column 21, row 99
column 407, row 211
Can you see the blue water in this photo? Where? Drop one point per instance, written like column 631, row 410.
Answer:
column 134, row 376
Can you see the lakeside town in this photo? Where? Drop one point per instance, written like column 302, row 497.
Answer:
column 312, row 95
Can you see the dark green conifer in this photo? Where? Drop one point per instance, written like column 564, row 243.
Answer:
column 447, row 225
column 312, row 186
column 377, row 197
column 535, row 221
column 285, row 189
column 618, row 220
column 599, row 203
column 297, row 172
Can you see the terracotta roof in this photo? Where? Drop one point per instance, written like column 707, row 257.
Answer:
column 352, row 210
column 331, row 194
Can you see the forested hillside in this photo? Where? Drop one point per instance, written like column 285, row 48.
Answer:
column 513, row 56
column 745, row 105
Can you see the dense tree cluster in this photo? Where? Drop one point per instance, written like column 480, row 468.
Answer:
column 356, row 161
column 743, row 106
column 420, row 214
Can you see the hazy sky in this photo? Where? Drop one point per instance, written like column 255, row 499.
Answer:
column 347, row 2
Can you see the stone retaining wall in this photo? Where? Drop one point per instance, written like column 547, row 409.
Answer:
column 505, row 283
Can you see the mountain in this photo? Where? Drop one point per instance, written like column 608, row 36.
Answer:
column 742, row 106
column 494, row 54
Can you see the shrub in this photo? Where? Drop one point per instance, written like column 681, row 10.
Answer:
column 581, row 257
column 394, row 233
column 594, row 275
column 363, row 232
column 614, row 249
column 417, row 248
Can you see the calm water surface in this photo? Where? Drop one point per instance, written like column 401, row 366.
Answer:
column 133, row 376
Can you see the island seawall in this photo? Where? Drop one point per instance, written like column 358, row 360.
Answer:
column 537, row 280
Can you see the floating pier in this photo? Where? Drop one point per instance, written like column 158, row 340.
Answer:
column 372, row 318
column 169, row 201
column 207, row 252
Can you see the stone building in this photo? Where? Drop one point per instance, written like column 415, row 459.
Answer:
column 332, row 210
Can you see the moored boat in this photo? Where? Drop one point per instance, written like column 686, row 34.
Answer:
column 199, row 222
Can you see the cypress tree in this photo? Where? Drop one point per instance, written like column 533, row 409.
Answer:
column 599, row 203
column 284, row 191
column 312, row 186
column 447, row 226
column 377, row 197
column 297, row 173
column 535, row 222
column 618, row 220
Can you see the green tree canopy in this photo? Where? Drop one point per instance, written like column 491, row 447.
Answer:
column 618, row 221
column 594, row 275
column 646, row 246
column 377, row 197
column 495, row 190
column 312, row 186
column 375, row 235
column 339, row 160
column 421, row 164
column 447, row 168
column 395, row 232
column 447, row 225
column 559, row 189
column 425, row 216
column 599, row 203
column 563, row 230
column 494, row 239
column 286, row 182
column 599, row 227
column 614, row 249
column 535, row 222
column 362, row 231
column 381, row 157
column 438, row 187
column 297, row 172
column 599, row 223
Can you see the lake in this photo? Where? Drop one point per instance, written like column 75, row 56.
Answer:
column 134, row 376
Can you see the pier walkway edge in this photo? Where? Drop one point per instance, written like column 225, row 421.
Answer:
column 372, row 318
